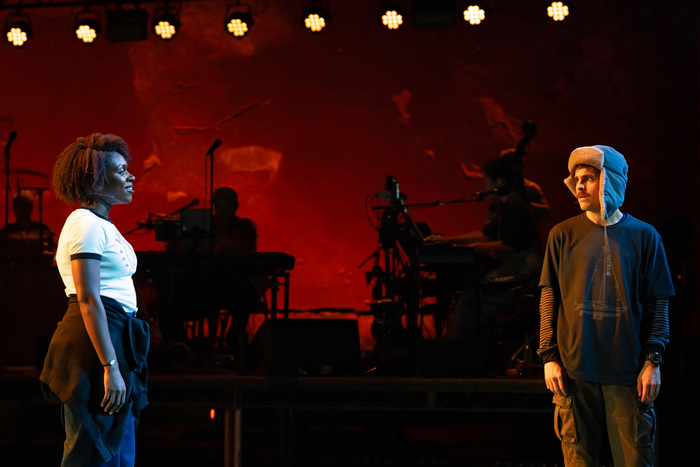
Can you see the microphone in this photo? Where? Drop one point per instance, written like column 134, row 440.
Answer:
column 499, row 191
column 191, row 204
column 10, row 139
column 213, row 147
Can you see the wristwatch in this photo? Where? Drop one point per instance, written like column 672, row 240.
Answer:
column 655, row 358
column 110, row 363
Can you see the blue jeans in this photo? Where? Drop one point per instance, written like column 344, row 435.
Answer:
column 78, row 450
column 580, row 418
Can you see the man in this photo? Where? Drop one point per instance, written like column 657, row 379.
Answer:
column 29, row 242
column 513, row 237
column 604, row 317
column 232, row 234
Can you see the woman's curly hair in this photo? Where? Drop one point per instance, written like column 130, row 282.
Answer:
column 81, row 169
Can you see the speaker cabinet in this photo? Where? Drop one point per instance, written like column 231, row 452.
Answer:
column 314, row 347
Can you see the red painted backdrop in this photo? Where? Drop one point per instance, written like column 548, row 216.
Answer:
column 311, row 124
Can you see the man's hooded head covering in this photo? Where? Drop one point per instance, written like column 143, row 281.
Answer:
column 613, row 181
column 613, row 175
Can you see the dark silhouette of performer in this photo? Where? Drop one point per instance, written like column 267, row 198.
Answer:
column 232, row 234
column 235, row 294
column 508, row 249
column 30, row 242
column 531, row 190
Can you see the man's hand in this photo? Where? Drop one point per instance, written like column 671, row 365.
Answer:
column 555, row 376
column 649, row 382
column 436, row 238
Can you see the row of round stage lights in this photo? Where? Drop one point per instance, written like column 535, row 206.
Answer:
column 238, row 22
column 18, row 29
column 473, row 14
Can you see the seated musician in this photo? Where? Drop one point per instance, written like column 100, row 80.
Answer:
column 532, row 191
column 235, row 293
column 232, row 234
column 29, row 242
column 508, row 247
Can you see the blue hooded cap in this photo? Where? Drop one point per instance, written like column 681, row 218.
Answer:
column 613, row 175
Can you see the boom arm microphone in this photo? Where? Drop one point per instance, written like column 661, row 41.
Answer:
column 500, row 191
column 213, row 147
column 10, row 139
column 191, row 204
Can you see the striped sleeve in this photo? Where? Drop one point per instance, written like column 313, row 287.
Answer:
column 655, row 330
column 549, row 350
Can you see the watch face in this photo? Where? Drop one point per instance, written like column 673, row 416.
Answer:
column 655, row 357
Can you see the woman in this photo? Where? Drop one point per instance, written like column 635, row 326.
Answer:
column 96, row 363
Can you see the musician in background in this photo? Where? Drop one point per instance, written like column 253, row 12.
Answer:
column 29, row 242
column 232, row 234
column 235, row 293
column 531, row 190
column 508, row 246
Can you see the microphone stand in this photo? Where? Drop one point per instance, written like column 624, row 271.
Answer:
column 210, row 154
column 6, row 264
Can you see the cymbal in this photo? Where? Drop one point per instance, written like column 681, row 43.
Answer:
column 28, row 172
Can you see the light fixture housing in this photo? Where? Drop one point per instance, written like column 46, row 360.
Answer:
column 87, row 26
column 238, row 20
column 315, row 16
column 166, row 23
column 127, row 25
column 558, row 10
column 18, row 29
column 474, row 13
column 392, row 17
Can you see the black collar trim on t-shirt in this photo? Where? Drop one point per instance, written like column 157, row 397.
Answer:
column 98, row 215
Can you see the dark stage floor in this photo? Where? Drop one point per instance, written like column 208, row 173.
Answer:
column 184, row 434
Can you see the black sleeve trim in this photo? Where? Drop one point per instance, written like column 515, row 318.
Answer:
column 86, row 256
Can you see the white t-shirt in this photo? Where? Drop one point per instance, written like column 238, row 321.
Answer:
column 86, row 234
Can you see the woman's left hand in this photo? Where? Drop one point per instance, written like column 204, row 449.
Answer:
column 115, row 390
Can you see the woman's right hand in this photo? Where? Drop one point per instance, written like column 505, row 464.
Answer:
column 115, row 390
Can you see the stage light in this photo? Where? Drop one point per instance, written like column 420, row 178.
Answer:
column 474, row 14
column 18, row 29
column 127, row 25
column 393, row 18
column 87, row 26
column 558, row 11
column 238, row 20
column 166, row 23
column 315, row 17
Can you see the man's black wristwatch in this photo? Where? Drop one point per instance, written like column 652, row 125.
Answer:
column 655, row 358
